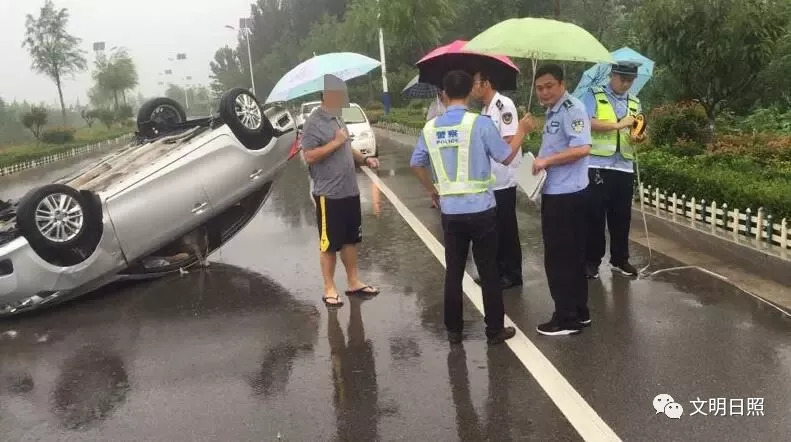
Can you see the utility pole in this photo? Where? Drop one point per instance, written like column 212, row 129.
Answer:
column 385, row 93
column 246, row 22
column 245, row 26
column 557, row 17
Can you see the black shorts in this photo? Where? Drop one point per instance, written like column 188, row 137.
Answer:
column 339, row 221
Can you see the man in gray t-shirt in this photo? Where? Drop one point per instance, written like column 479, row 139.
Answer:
column 331, row 162
column 334, row 176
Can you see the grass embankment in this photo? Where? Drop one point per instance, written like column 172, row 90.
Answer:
column 18, row 153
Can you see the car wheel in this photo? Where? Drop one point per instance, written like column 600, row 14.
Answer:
column 157, row 115
column 55, row 216
column 244, row 115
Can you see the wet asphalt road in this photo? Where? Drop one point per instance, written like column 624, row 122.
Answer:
column 245, row 350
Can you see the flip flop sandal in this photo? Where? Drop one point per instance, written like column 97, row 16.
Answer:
column 365, row 291
column 332, row 304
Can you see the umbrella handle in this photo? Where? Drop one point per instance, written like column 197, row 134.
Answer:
column 532, row 84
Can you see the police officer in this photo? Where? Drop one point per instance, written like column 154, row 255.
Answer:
column 565, row 145
column 503, row 114
column 458, row 146
column 611, row 169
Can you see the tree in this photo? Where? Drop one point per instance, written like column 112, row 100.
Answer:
column 716, row 48
column 124, row 112
column 107, row 117
column 227, row 71
column 54, row 51
column 116, row 74
column 89, row 116
column 417, row 24
column 35, row 120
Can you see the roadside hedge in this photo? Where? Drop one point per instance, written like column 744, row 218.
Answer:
column 744, row 170
column 10, row 155
column 741, row 182
column 58, row 135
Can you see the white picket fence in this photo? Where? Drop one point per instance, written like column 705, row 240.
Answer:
column 755, row 225
column 71, row 153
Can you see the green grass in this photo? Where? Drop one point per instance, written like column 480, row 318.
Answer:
column 18, row 153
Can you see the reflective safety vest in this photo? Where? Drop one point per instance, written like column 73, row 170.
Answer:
column 606, row 143
column 453, row 137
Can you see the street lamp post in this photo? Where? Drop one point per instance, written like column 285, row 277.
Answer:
column 385, row 93
column 183, row 56
column 245, row 27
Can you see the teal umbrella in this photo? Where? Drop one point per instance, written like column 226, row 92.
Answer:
column 599, row 74
column 308, row 76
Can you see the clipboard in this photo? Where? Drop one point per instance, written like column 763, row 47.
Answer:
column 531, row 185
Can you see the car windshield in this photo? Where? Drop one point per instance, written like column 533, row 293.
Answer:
column 353, row 115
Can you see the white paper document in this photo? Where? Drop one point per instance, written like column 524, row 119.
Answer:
column 531, row 185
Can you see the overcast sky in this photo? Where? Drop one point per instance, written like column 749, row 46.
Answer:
column 152, row 31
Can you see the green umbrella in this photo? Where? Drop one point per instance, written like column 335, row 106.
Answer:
column 540, row 39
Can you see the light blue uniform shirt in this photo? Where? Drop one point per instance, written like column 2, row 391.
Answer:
column 621, row 105
column 485, row 143
column 567, row 125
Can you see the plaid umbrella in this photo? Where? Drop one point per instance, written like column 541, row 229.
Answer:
column 416, row 89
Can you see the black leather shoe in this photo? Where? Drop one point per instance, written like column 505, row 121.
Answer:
column 501, row 336
column 455, row 337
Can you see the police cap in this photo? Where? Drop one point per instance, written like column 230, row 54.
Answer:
column 626, row 68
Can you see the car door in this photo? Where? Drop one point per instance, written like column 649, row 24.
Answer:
column 235, row 170
column 238, row 171
column 163, row 205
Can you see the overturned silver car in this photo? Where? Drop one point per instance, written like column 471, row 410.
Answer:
column 162, row 204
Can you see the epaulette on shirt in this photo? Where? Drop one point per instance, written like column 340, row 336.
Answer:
column 499, row 104
column 568, row 104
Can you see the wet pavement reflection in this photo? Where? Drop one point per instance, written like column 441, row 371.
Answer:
column 353, row 376
column 246, row 350
column 683, row 332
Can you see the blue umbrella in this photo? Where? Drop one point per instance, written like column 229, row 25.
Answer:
column 416, row 89
column 599, row 74
column 308, row 76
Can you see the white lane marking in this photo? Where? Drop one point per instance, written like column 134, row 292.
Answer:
column 579, row 413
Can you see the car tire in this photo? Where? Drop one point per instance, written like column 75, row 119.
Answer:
column 65, row 207
column 157, row 115
column 244, row 115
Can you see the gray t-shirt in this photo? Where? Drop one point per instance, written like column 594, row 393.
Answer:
column 334, row 176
